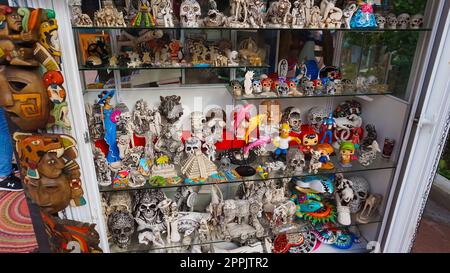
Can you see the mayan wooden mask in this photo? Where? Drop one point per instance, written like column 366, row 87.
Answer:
column 51, row 174
column 24, row 97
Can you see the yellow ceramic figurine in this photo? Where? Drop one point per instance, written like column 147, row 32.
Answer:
column 281, row 142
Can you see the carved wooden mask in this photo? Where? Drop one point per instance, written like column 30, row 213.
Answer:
column 24, row 97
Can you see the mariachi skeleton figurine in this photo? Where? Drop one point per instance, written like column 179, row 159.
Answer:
column 51, row 174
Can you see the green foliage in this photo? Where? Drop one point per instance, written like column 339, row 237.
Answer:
column 409, row 6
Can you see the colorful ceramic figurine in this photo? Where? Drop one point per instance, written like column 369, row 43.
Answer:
column 330, row 124
column 364, row 16
column 347, row 151
column 325, row 151
column 282, row 142
column 144, row 17
column 53, row 81
column 109, row 125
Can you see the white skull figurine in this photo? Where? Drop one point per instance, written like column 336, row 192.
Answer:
column 192, row 145
column 316, row 116
column 293, row 116
column 381, row 20
column 296, row 163
column 392, row 21
column 190, row 13
column 416, row 21
column 137, row 179
column 403, row 20
column 361, row 189
column 371, row 81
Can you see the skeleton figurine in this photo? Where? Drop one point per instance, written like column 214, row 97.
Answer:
column 210, row 147
column 331, row 15
column 79, row 18
column 348, row 14
column 131, row 159
column 185, row 198
column 278, row 13
column 344, row 195
column 255, row 14
column 102, row 168
column 190, row 13
column 148, row 216
column 215, row 18
column 314, row 163
column 121, row 226
column 109, row 16
column 239, row 13
column 298, row 16
column 165, row 9
column 170, row 213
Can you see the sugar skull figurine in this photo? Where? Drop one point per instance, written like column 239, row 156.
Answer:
column 346, row 152
column 266, row 84
column 51, row 174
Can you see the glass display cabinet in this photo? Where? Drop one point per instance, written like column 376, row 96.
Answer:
column 190, row 154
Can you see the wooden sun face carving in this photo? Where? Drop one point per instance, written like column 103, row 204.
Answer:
column 24, row 97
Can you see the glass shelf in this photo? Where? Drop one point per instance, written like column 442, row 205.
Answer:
column 274, row 96
column 301, row 226
column 87, row 68
column 252, row 29
column 378, row 164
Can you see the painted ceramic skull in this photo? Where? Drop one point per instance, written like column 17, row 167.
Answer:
column 189, row 13
column 403, row 20
column 192, row 145
column 392, row 21
column 309, row 88
column 257, row 87
column 283, row 89
column 372, row 80
column 293, row 116
column 316, row 115
column 361, row 189
column 266, row 84
column 237, row 88
column 416, row 21
column 381, row 20
column 121, row 226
